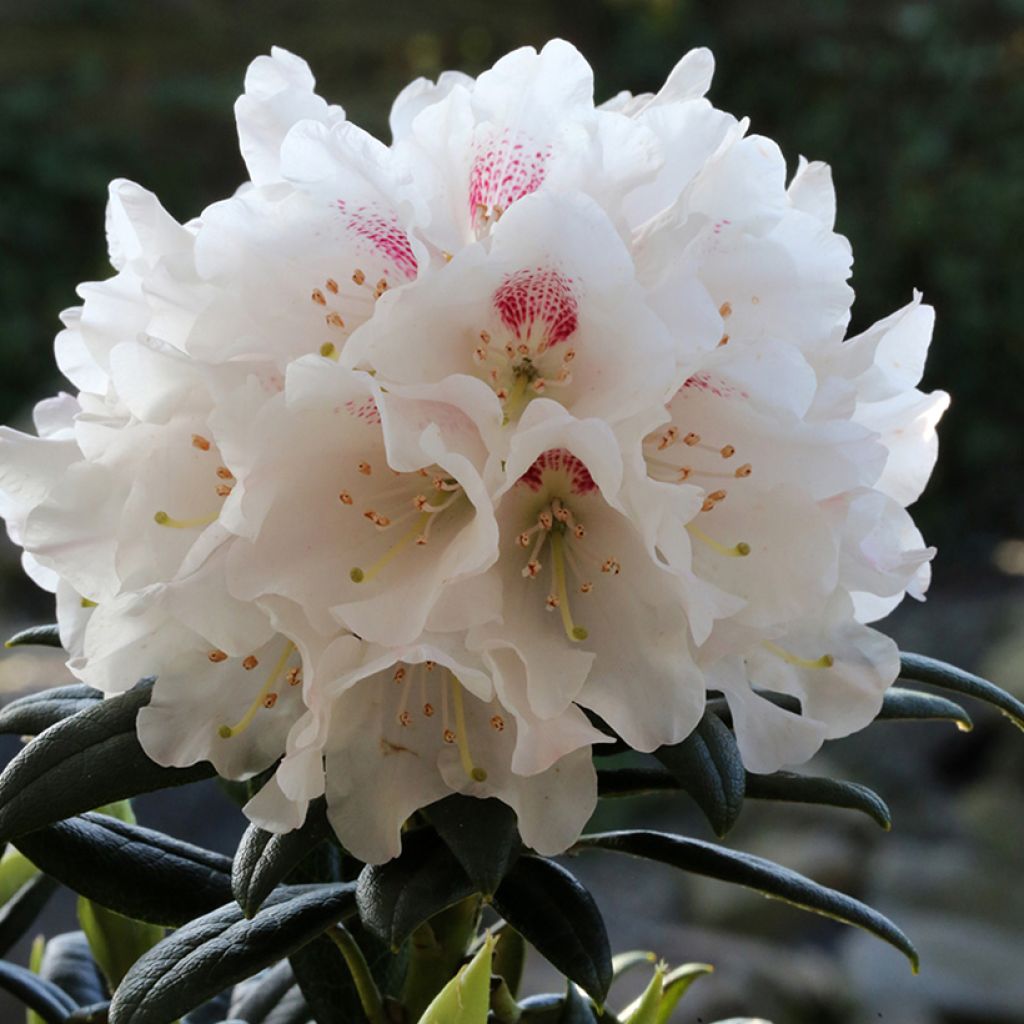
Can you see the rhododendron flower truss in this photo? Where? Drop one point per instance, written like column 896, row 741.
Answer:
column 431, row 466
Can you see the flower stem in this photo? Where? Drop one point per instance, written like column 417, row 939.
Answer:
column 366, row 987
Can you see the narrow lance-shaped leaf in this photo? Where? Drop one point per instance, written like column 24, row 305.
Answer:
column 481, row 833
column 36, row 712
column 92, row 758
column 131, row 870
column 900, row 703
column 17, row 915
column 40, row 636
column 675, row 986
column 709, row 767
column 930, row 670
column 397, row 897
column 216, row 951
column 772, row 880
column 555, row 913
column 264, row 859
column 42, row 997
column 67, row 962
column 809, row 789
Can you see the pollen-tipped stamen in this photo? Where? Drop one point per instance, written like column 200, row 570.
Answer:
column 572, row 631
column 474, row 773
column 227, row 731
column 161, row 518
column 740, row 550
column 825, row 661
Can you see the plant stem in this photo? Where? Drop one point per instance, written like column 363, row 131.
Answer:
column 366, row 987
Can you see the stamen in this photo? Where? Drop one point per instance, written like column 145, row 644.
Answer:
column 217, row 656
column 358, row 277
column 668, row 438
column 727, row 451
column 318, row 297
column 358, row 575
column 744, row 471
column 332, row 286
column 263, row 698
column 497, row 723
column 725, row 309
column 334, row 319
column 365, row 468
column 161, row 518
column 293, row 677
column 691, row 439
column 471, row 770
column 224, row 473
column 250, row 662
column 223, row 490
column 200, row 442
column 825, row 661
column 610, row 565
column 572, row 631
column 740, row 550
column 345, row 498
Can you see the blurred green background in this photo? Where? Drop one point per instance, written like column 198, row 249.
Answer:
column 919, row 108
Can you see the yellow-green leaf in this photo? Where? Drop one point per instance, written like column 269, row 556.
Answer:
column 116, row 942
column 35, row 962
column 466, row 998
column 645, row 1009
column 15, row 870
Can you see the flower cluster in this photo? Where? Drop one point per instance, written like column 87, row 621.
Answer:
column 429, row 466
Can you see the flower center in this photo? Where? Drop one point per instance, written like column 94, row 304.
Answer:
column 416, row 502
column 267, row 696
column 529, row 352
column 426, row 678
column 224, row 486
column 558, row 531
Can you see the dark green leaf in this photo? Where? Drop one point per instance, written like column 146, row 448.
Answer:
column 68, row 963
column 770, row 879
column 90, row 759
column 481, row 833
column 578, row 1010
column 132, row 870
column 809, row 789
column 396, row 897
column 553, row 912
column 293, row 1009
column 213, row 1012
column 17, row 915
column 45, row 998
column 95, row 1013
column 709, row 767
column 218, row 950
column 41, row 636
column 899, row 703
column 326, row 983
column 255, row 997
column 264, row 859
column 571, row 1008
column 634, row 781
column 929, row 670
column 35, row 712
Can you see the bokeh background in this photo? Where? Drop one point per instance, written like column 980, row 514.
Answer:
column 918, row 105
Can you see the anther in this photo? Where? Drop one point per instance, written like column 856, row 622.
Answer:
column 318, row 297
column 332, row 286
column 539, row 385
column 485, row 337
column 428, row 710
column 578, row 531
column 400, row 674
column 449, row 736
column 552, row 602
column 293, row 677
column 405, row 719
column 358, row 277
column 723, row 340
column 691, row 439
column 727, row 451
column 523, row 540
column 223, row 490
column 611, row 565
column 345, row 498
column 531, row 569
column 545, row 520
column 334, row 319
column 380, row 288
column 250, row 662
column 217, row 656
column 717, row 496
column 669, row 437
column 744, row 471
column 200, row 442
column 430, row 665
column 365, row 468
column 270, row 700
column 586, row 587
column 685, row 472
column 724, row 310
column 224, row 473
column 497, row 723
